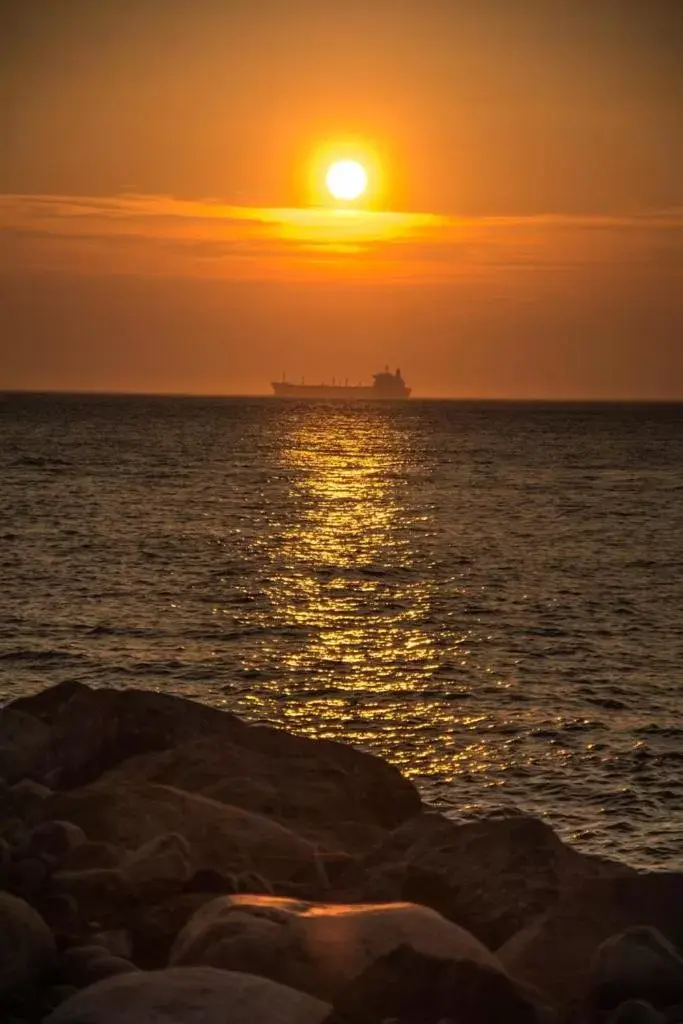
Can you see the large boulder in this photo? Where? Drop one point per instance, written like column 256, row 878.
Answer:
column 24, row 745
column 93, row 729
column 555, row 953
column 226, row 839
column 636, row 964
column 321, row 787
column 191, row 995
column 419, row 989
column 26, row 946
column 342, row 798
column 316, row 947
column 493, row 877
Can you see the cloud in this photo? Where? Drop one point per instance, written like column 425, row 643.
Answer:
column 152, row 235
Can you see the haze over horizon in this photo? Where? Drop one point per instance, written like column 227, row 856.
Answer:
column 164, row 227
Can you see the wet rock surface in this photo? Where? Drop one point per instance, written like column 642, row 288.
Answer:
column 139, row 830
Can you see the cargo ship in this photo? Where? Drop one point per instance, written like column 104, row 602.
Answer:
column 385, row 385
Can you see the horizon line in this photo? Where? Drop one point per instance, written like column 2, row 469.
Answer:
column 481, row 399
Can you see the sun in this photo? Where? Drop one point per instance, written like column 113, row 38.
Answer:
column 346, row 179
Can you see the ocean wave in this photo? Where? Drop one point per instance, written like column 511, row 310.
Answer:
column 42, row 656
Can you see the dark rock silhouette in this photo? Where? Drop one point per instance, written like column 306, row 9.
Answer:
column 71, row 734
column 493, row 877
column 124, row 813
column 637, row 964
column 555, row 952
column 418, row 989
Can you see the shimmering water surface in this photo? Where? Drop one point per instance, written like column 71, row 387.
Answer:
column 489, row 595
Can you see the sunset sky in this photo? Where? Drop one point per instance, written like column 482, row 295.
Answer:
column 165, row 226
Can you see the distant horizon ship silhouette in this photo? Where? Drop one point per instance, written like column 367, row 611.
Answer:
column 386, row 386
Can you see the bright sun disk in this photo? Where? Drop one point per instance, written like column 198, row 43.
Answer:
column 346, row 179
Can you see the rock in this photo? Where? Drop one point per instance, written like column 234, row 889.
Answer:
column 93, row 855
column 341, row 797
column 5, row 856
column 208, row 880
column 45, row 704
column 155, row 928
column 108, row 966
column 554, row 953
column 117, row 941
column 637, row 964
column 417, row 989
column 27, row 877
column 59, row 911
column 13, row 830
column 225, row 839
column 635, row 1011
column 492, row 877
column 100, row 894
column 318, row 948
column 54, row 840
column 56, row 995
column 25, row 800
column 58, row 838
column 75, row 956
column 92, row 730
column 31, row 791
column 159, row 866
column 193, row 995
column 91, row 883
column 24, row 745
column 26, row 945
column 85, row 965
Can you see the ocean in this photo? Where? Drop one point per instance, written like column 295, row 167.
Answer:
column 488, row 595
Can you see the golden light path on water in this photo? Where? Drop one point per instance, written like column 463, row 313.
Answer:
column 354, row 654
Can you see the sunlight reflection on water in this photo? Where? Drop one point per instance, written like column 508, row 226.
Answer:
column 347, row 572
column 487, row 595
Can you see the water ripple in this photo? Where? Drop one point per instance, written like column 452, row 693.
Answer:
column 487, row 595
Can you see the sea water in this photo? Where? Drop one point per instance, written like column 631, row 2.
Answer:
column 487, row 594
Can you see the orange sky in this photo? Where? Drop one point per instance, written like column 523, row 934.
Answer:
column 160, row 195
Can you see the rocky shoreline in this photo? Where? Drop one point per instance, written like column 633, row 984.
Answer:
column 164, row 861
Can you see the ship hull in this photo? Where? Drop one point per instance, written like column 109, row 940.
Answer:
column 340, row 392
